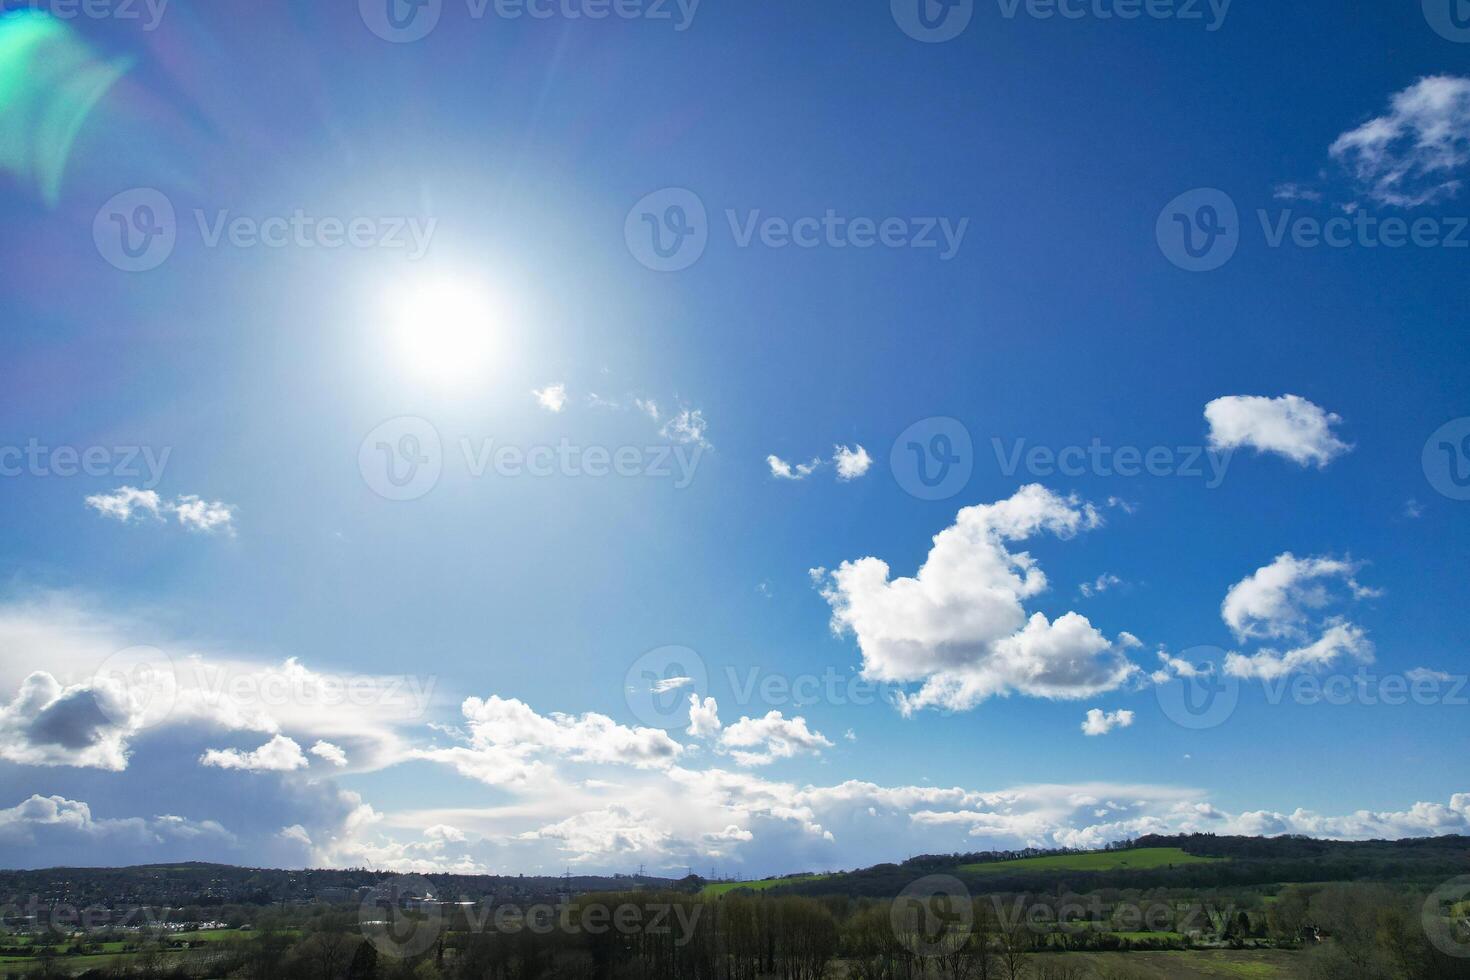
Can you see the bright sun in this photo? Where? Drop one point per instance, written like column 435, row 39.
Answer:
column 445, row 329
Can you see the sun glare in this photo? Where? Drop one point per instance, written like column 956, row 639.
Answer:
column 445, row 330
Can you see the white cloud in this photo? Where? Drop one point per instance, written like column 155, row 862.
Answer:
column 852, row 462
column 328, row 752
column 960, row 626
column 206, row 516
column 704, row 717
column 1296, row 192
column 666, row 684
column 1411, row 156
column 1099, row 722
column 48, row 724
column 760, row 741
column 1288, row 600
column 688, row 426
column 553, row 397
column 783, row 470
column 280, row 754
column 1423, row 674
column 192, row 512
column 125, row 502
column 1290, row 426
column 1281, row 599
column 1099, row 585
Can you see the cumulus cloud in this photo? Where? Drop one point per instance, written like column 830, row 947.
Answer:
column 959, row 625
column 851, row 462
column 509, row 742
column 1100, row 722
column 280, row 754
column 191, row 511
column 328, row 752
column 1413, row 154
column 553, row 397
column 704, row 717
column 38, row 816
column 1290, row 426
column 48, row 724
column 1099, row 585
column 760, row 741
column 1289, row 602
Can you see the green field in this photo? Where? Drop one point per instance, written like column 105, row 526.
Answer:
column 1136, row 859
column 718, row 888
column 1195, row 965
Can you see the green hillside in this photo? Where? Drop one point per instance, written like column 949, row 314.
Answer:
column 1134, row 859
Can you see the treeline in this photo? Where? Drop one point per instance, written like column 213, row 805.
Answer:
column 1348, row 931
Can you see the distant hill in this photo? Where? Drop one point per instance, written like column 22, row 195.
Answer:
column 1187, row 861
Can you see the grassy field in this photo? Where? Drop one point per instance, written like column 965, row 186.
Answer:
column 1209, row 964
column 1139, row 858
column 718, row 888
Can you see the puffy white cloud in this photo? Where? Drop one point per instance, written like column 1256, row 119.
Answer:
column 280, row 754
column 759, row 741
column 603, row 834
column 553, row 397
column 191, row 511
column 126, row 502
column 783, row 470
column 1100, row 722
column 1412, row 155
column 52, row 816
column 328, row 752
column 508, row 742
column 1290, row 426
column 1287, row 601
column 960, row 626
column 851, row 462
column 704, row 717
column 1280, row 599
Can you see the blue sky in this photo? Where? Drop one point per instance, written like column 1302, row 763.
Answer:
column 494, row 623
